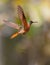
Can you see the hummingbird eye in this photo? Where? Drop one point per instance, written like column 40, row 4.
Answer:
column 31, row 22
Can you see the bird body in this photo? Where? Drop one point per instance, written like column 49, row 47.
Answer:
column 25, row 26
column 21, row 31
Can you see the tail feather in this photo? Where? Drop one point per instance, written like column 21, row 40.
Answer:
column 14, row 35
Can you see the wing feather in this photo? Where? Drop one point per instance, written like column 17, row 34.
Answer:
column 22, row 17
column 13, row 25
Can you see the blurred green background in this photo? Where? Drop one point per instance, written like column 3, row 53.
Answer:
column 32, row 48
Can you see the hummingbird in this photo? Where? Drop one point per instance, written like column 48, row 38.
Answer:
column 25, row 25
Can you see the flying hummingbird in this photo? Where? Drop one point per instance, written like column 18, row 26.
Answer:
column 21, row 29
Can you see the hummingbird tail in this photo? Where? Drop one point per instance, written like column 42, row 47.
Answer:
column 14, row 35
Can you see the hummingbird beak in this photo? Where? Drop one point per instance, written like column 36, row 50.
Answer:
column 35, row 22
column 32, row 22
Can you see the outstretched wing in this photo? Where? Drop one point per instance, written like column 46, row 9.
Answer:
column 22, row 17
column 13, row 25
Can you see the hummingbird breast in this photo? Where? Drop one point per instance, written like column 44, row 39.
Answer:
column 27, row 29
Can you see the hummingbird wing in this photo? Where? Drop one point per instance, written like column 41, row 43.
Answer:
column 22, row 17
column 13, row 25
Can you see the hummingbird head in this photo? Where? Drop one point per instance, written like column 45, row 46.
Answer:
column 32, row 22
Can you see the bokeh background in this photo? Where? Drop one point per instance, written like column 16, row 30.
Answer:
column 32, row 48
